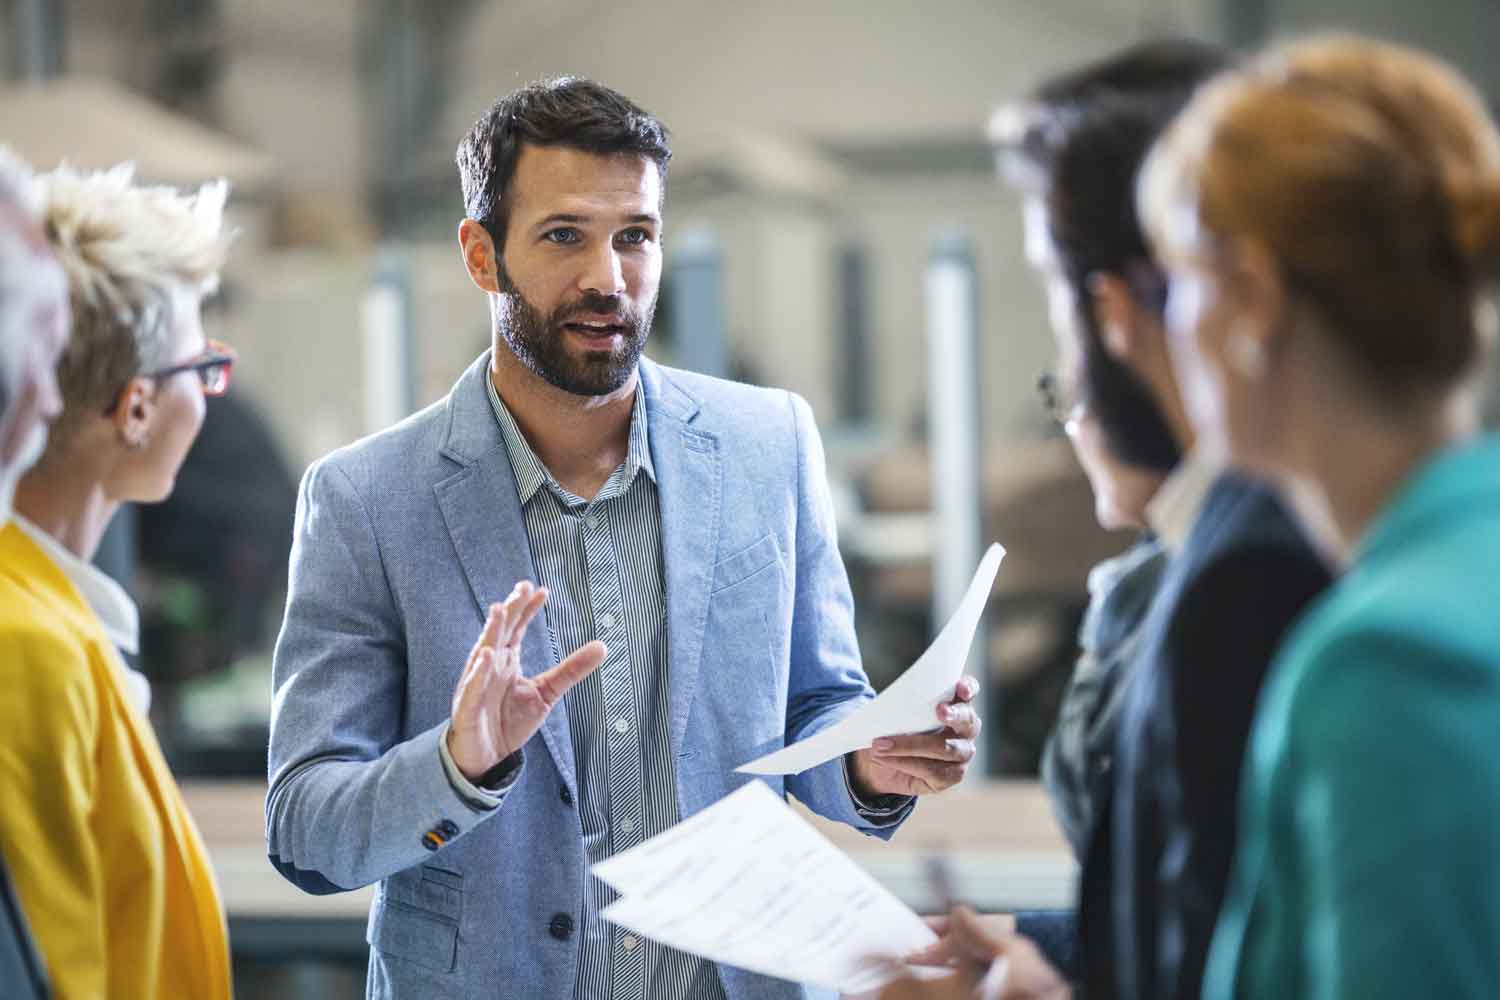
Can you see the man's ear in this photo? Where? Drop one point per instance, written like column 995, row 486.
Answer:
column 134, row 408
column 1117, row 316
column 480, row 258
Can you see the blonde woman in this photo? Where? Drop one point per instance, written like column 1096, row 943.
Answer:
column 111, row 873
column 1330, row 219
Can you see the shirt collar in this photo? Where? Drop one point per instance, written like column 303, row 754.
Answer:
column 532, row 475
column 106, row 598
column 1174, row 509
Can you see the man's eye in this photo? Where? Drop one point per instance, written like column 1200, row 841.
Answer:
column 635, row 236
column 561, row 236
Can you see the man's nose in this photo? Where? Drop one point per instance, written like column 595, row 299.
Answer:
column 605, row 275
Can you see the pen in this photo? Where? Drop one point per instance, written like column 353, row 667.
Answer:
column 940, row 881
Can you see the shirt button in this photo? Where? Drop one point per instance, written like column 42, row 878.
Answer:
column 622, row 726
column 606, row 622
column 592, row 521
column 629, row 941
column 627, row 825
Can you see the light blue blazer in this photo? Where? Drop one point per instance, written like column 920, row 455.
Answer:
column 402, row 540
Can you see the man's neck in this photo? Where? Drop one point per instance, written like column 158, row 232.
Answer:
column 68, row 504
column 580, row 439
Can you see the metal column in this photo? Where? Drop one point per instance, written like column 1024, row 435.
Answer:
column 388, row 343
column 698, row 310
column 953, row 437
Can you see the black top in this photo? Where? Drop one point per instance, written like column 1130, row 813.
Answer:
column 1160, row 850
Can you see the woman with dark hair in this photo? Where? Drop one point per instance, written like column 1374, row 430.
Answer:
column 1330, row 217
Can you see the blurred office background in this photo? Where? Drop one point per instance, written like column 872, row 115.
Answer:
column 834, row 226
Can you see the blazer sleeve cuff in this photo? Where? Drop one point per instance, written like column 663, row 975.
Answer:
column 880, row 811
column 490, row 793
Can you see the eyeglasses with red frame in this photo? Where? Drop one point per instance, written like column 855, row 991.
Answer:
column 213, row 367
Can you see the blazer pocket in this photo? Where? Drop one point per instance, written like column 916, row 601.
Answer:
column 436, row 891
column 745, row 563
column 425, row 939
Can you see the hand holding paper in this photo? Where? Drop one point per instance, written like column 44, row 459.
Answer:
column 909, row 704
column 750, row 883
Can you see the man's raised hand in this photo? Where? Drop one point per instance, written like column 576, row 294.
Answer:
column 496, row 709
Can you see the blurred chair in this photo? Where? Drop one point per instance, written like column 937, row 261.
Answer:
column 21, row 969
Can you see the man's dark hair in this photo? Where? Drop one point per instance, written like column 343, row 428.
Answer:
column 1077, row 144
column 568, row 111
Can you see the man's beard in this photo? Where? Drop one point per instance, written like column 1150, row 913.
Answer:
column 540, row 343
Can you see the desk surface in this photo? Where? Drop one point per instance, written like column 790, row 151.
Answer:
column 1005, row 849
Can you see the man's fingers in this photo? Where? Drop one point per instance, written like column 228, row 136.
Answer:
column 939, row 924
column 967, row 688
column 492, row 623
column 505, row 667
column 931, row 746
column 972, row 939
column 556, row 682
column 940, row 952
column 468, row 698
column 934, row 774
column 958, row 986
column 509, row 609
column 961, row 720
column 525, row 613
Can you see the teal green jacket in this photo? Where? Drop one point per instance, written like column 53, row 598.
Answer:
column 1369, row 862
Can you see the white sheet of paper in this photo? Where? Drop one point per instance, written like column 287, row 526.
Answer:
column 909, row 704
column 750, row 883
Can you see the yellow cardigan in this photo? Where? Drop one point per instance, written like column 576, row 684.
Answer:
column 110, row 870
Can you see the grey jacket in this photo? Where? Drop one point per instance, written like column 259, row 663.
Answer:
column 402, row 539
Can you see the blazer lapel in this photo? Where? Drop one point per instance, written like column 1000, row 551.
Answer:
column 690, row 488
column 482, row 511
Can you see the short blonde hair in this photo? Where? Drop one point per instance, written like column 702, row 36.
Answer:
column 124, row 248
column 1370, row 172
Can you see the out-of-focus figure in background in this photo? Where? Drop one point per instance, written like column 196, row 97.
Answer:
column 33, row 330
column 108, row 866
column 1189, row 642
column 1330, row 217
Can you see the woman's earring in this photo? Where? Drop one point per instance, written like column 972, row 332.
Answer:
column 1246, row 353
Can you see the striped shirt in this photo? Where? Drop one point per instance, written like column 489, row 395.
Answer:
column 601, row 562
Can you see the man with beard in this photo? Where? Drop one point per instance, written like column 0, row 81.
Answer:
column 657, row 546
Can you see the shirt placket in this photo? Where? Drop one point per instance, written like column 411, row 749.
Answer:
column 623, row 755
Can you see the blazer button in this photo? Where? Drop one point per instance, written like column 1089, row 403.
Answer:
column 561, row 926
column 448, row 829
column 565, row 795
